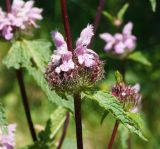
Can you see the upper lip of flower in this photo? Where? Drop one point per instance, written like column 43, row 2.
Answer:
column 84, row 55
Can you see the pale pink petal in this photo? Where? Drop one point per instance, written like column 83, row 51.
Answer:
column 127, row 30
column 58, row 39
column 120, row 48
column 106, row 37
column 85, row 36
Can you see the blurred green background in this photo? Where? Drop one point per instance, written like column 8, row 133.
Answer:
column 82, row 12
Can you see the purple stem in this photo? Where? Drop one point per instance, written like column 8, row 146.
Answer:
column 114, row 132
column 66, row 25
column 66, row 123
column 77, row 97
column 98, row 18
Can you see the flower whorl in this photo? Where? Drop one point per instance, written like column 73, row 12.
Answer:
column 72, row 72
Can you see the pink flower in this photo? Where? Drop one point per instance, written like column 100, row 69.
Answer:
column 85, row 56
column 62, row 58
column 121, row 43
column 77, row 70
column 22, row 15
column 7, row 140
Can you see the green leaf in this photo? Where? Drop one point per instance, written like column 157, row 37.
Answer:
column 17, row 57
column 53, row 125
column 119, row 77
column 46, row 137
column 3, row 120
column 124, row 133
column 34, row 56
column 110, row 103
column 39, row 51
column 122, row 11
column 104, row 116
column 108, row 15
column 153, row 4
column 139, row 57
column 26, row 53
column 69, row 144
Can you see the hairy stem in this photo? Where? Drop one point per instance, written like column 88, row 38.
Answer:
column 77, row 97
column 66, row 25
column 66, row 123
column 98, row 17
column 114, row 132
column 78, row 120
column 8, row 6
column 25, row 103
column 23, row 90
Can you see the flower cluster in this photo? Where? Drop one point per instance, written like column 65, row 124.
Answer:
column 74, row 71
column 22, row 16
column 120, row 44
column 7, row 140
column 128, row 95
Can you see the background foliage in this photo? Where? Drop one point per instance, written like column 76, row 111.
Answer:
column 82, row 12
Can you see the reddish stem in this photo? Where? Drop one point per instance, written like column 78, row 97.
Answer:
column 77, row 97
column 8, row 6
column 114, row 132
column 66, row 123
column 98, row 17
column 78, row 120
column 66, row 25
column 25, row 103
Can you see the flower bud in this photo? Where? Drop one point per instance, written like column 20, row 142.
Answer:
column 128, row 95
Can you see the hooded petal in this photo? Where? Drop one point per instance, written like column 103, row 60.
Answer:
column 85, row 36
column 127, row 30
column 106, row 37
column 58, row 39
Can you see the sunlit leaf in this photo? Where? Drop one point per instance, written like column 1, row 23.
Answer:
column 122, row 11
column 108, row 15
column 139, row 57
column 34, row 56
column 104, row 116
column 69, row 144
column 3, row 120
column 110, row 103
column 53, row 125
column 153, row 4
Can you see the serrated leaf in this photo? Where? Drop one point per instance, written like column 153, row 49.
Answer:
column 3, row 120
column 53, row 125
column 139, row 57
column 104, row 116
column 110, row 103
column 17, row 57
column 34, row 56
column 39, row 51
column 26, row 53
column 122, row 11
column 153, row 4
